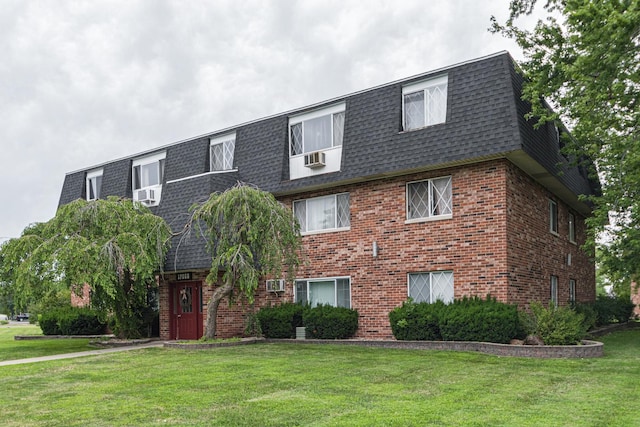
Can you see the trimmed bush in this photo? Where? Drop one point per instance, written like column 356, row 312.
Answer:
column 612, row 309
column 71, row 321
column 589, row 313
column 556, row 325
column 477, row 319
column 466, row 319
column 280, row 321
column 330, row 323
column 416, row 321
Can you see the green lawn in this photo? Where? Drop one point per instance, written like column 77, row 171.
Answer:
column 11, row 349
column 325, row 385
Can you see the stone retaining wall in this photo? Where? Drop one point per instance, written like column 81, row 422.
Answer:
column 588, row 349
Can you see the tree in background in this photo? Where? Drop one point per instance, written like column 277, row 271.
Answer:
column 116, row 246
column 250, row 235
column 584, row 58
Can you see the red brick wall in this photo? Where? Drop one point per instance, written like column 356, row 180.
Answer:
column 467, row 244
column 81, row 296
column 534, row 253
column 497, row 242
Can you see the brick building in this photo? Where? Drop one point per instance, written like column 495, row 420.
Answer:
column 432, row 187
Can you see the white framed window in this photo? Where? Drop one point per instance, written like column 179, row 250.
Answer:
column 94, row 184
column 431, row 198
column 572, row 291
column 572, row 228
column 333, row 291
column 554, row 290
column 222, row 150
column 323, row 213
column 424, row 103
column 431, row 286
column 317, row 130
column 147, row 176
column 553, row 217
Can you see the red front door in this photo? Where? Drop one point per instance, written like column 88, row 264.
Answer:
column 186, row 317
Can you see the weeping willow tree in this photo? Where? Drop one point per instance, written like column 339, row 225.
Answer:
column 250, row 235
column 115, row 246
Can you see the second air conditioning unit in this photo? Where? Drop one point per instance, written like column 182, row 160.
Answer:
column 275, row 285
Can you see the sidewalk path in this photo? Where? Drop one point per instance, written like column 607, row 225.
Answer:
column 81, row 353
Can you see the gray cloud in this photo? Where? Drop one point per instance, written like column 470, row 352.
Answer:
column 82, row 82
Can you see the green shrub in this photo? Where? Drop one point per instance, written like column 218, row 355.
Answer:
column 556, row 325
column 280, row 321
column 589, row 313
column 416, row 321
column 71, row 321
column 328, row 322
column 477, row 319
column 612, row 309
column 52, row 300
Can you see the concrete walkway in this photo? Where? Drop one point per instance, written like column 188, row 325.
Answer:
column 81, row 353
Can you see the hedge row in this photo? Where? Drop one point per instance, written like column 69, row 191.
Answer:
column 71, row 321
column 466, row 319
column 321, row 322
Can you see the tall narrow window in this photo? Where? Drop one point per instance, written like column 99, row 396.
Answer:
column 572, row 228
column 554, row 290
column 431, row 287
column 429, row 199
column 572, row 291
column 553, row 217
column 315, row 131
column 323, row 213
column 222, row 152
column 94, row 184
column 424, row 103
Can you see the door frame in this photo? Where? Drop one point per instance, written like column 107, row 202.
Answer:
column 197, row 304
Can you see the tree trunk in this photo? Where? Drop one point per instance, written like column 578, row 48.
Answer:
column 212, row 309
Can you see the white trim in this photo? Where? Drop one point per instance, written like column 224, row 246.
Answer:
column 431, row 273
column 320, row 112
column 199, row 175
column 148, row 159
column 334, row 196
column 95, row 172
column 222, row 138
column 326, row 230
column 91, row 175
column 418, row 86
column 430, row 217
column 333, row 279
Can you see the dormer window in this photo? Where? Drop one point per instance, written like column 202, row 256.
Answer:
column 222, row 150
column 424, row 103
column 147, row 179
column 316, row 131
column 94, row 184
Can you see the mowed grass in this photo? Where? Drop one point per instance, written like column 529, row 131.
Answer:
column 10, row 349
column 325, row 385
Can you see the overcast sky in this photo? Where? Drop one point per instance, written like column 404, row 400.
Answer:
column 84, row 82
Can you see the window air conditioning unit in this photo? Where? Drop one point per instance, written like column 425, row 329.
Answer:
column 275, row 285
column 314, row 160
column 146, row 196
